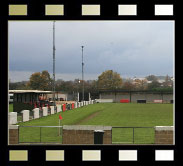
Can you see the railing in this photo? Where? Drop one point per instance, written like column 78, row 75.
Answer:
column 132, row 135
column 40, row 134
column 53, row 134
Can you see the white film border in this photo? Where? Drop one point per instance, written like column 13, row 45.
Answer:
column 91, row 10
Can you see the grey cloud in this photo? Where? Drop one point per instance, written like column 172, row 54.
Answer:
column 129, row 47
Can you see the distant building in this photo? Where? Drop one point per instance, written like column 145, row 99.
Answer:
column 60, row 96
column 172, row 78
column 161, row 81
column 140, row 78
column 25, row 99
column 28, row 95
column 139, row 81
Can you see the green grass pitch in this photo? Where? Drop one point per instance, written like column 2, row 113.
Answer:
column 10, row 107
column 108, row 114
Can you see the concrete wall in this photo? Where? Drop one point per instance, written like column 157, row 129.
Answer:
column 76, row 104
column 25, row 115
column 52, row 110
column 59, row 108
column 36, row 113
column 118, row 97
column 83, row 134
column 150, row 97
column 45, row 111
column 13, row 134
column 104, row 100
column 138, row 96
column 164, row 135
column 167, row 98
column 12, row 118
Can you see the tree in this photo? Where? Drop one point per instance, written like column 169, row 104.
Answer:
column 127, row 85
column 19, row 85
column 152, row 78
column 94, row 86
column 109, row 80
column 40, row 81
column 168, row 82
column 154, row 85
column 140, row 84
column 46, row 80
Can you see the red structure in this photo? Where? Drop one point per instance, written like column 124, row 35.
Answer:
column 64, row 107
column 124, row 101
column 73, row 105
column 60, row 117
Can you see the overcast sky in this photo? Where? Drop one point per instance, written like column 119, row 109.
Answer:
column 131, row 48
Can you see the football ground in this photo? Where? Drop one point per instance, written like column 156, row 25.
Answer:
column 124, row 115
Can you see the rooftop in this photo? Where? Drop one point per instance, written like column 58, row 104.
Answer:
column 29, row 91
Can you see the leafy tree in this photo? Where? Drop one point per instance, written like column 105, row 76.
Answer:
column 109, row 80
column 18, row 85
column 168, row 82
column 154, row 85
column 141, row 84
column 163, row 89
column 152, row 78
column 46, row 80
column 67, row 86
column 13, row 85
column 94, row 86
column 127, row 85
column 73, row 86
column 40, row 81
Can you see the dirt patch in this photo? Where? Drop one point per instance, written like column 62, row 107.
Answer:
column 88, row 117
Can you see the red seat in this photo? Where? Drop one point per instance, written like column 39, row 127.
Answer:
column 73, row 105
column 124, row 101
column 64, row 107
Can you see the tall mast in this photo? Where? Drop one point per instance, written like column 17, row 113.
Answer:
column 82, row 74
column 53, row 88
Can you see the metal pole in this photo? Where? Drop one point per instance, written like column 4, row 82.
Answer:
column 133, row 135
column 18, row 134
column 40, row 134
column 53, row 88
column 78, row 90
column 130, row 97
column 59, row 129
column 82, row 73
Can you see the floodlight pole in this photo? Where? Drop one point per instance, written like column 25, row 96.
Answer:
column 82, row 74
column 53, row 87
column 78, row 88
